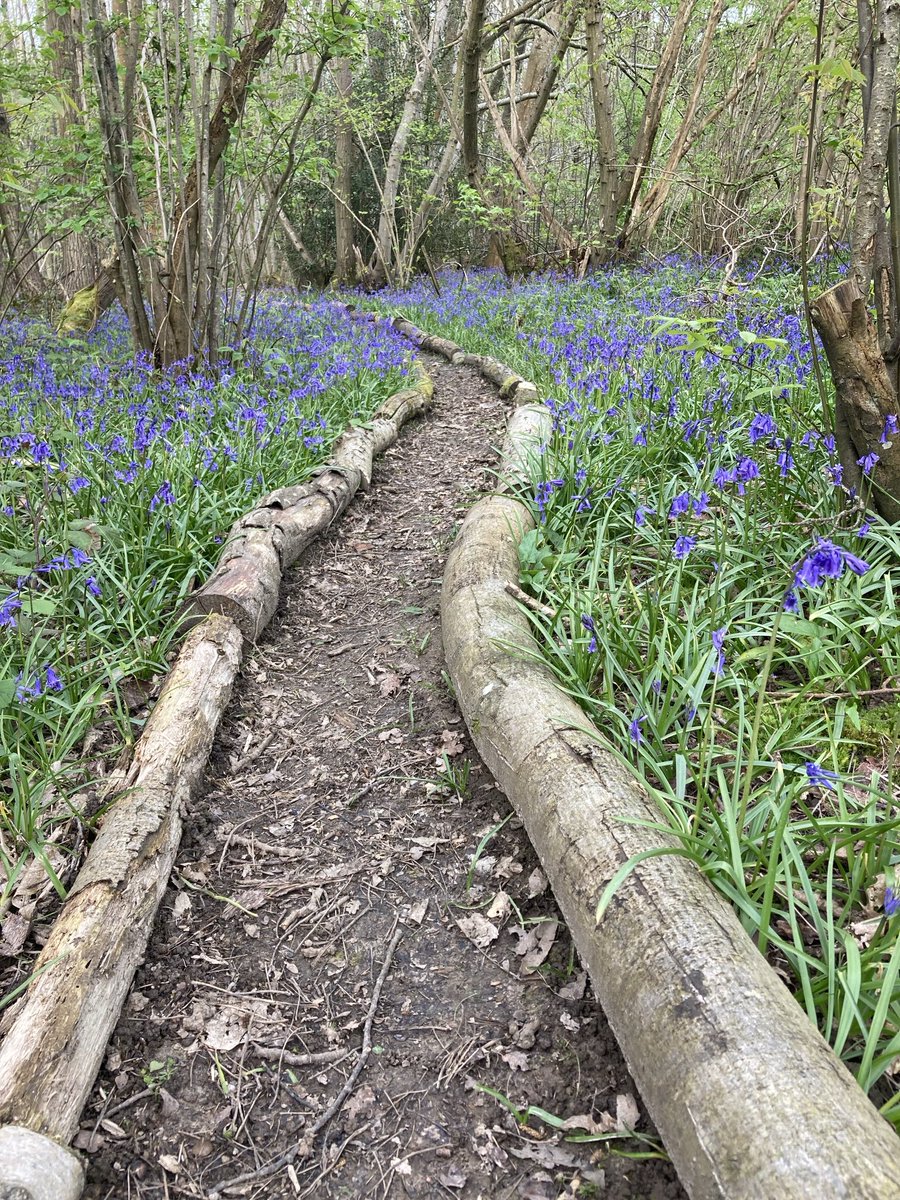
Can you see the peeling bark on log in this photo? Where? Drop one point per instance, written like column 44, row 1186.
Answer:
column 749, row 1099
column 50, row 1057
column 264, row 542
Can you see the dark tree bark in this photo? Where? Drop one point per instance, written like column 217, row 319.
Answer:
column 864, row 354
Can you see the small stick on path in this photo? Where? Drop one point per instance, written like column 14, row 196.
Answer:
column 304, row 1148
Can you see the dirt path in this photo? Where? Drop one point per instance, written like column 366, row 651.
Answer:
column 330, row 826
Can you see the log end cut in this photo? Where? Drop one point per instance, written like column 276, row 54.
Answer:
column 34, row 1167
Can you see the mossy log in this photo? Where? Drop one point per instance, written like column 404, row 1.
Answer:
column 264, row 542
column 50, row 1057
column 751, row 1102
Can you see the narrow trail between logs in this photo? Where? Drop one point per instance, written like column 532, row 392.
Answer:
column 319, row 906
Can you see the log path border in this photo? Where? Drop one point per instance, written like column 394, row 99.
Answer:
column 749, row 1098
column 50, row 1056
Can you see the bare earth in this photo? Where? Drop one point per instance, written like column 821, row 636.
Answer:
column 332, row 845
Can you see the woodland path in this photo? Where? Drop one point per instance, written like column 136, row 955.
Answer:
column 322, row 832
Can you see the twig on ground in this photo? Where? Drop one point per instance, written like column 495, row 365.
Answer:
column 304, row 1147
column 280, row 1055
column 254, row 843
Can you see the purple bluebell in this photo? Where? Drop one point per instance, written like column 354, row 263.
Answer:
column 867, row 462
column 718, row 641
column 683, row 546
column 821, row 776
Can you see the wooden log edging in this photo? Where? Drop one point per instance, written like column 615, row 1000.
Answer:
column 511, row 384
column 50, row 1056
column 264, row 542
column 750, row 1100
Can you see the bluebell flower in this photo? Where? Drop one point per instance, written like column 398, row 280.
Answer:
column 821, row 777
column 891, row 902
column 718, row 641
column 683, row 546
column 641, row 513
column 891, row 428
column 93, row 586
column 864, row 529
column 634, row 730
column 791, row 603
column 680, row 505
column 867, row 462
column 762, row 426
column 8, row 608
column 827, row 561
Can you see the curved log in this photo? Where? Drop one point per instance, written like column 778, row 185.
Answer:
column 50, row 1057
column 750, row 1100
column 264, row 542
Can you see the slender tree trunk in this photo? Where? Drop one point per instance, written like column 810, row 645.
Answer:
column 387, row 239
column 344, row 257
column 471, row 71
column 21, row 276
column 79, row 259
column 604, row 128
column 174, row 327
column 651, row 207
column 632, row 175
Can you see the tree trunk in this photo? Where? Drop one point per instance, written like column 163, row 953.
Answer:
column 78, row 252
column 174, row 324
column 866, row 395
column 865, row 358
column 471, row 57
column 344, row 231
column 604, row 129
column 387, row 238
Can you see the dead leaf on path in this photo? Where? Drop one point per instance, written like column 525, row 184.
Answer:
column 516, row 1060
column 590, row 1124
column 13, row 934
column 360, row 1105
column 627, row 1113
column 501, row 907
column 536, row 945
column 537, row 883
column 389, row 684
column 574, row 990
column 452, row 1178
column 418, row 911
column 225, row 1031
column 401, row 1166
column 451, row 743
column 569, row 1022
column 394, row 736
column 545, row 1154
column 478, row 930
column 170, row 1163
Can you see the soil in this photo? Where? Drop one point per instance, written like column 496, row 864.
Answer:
column 348, row 835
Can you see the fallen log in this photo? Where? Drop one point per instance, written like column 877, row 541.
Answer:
column 50, row 1057
column 264, row 542
column 748, row 1097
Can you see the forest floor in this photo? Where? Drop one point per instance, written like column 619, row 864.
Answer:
column 342, row 810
